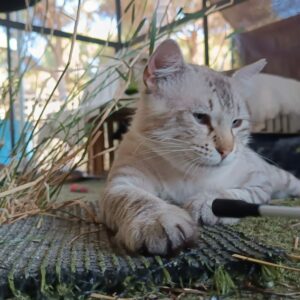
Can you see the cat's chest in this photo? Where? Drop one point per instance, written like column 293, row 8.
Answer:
column 175, row 188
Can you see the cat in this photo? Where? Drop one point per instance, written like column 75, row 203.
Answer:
column 279, row 95
column 186, row 146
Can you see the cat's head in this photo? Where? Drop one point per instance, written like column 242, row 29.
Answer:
column 193, row 112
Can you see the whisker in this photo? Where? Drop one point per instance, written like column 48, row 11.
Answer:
column 166, row 151
column 155, row 155
column 175, row 140
column 164, row 143
column 193, row 164
column 268, row 159
column 167, row 140
column 138, row 147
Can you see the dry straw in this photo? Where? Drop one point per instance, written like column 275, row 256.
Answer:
column 31, row 183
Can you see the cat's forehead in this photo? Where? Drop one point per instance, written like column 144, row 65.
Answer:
column 201, row 86
column 209, row 81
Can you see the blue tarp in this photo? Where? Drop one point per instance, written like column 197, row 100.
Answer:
column 5, row 140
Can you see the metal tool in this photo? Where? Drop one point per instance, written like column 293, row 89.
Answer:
column 230, row 208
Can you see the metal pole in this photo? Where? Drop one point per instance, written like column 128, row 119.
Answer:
column 219, row 6
column 58, row 33
column 20, row 71
column 119, row 22
column 11, row 101
column 205, row 32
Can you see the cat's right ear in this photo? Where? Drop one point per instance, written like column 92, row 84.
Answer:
column 165, row 62
column 246, row 73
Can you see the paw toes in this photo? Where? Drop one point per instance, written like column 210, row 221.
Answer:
column 159, row 236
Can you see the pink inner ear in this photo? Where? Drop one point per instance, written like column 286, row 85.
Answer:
column 161, row 59
column 167, row 54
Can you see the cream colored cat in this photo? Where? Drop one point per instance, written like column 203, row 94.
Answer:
column 187, row 145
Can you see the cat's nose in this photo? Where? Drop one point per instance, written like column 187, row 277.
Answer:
column 224, row 152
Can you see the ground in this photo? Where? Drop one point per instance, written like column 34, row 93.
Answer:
column 276, row 232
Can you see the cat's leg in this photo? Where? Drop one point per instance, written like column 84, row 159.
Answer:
column 142, row 221
column 258, row 187
column 283, row 182
column 200, row 206
column 251, row 194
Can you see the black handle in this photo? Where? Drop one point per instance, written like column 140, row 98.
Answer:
column 230, row 208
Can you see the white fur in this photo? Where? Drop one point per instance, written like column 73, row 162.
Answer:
column 271, row 96
column 170, row 164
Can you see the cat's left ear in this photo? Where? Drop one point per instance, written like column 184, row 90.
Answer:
column 246, row 73
column 165, row 62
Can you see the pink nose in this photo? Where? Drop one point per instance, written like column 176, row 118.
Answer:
column 224, row 152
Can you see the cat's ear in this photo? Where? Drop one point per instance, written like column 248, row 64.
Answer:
column 244, row 79
column 246, row 73
column 166, row 61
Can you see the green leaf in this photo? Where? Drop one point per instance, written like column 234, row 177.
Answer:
column 122, row 75
column 153, row 32
column 222, row 281
column 138, row 29
column 233, row 33
column 128, row 6
column 133, row 14
column 132, row 89
column 179, row 11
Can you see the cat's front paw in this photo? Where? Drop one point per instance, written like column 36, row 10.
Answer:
column 208, row 217
column 201, row 211
column 159, row 231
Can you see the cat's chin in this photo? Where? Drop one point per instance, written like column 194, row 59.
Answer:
column 227, row 160
column 220, row 162
column 214, row 165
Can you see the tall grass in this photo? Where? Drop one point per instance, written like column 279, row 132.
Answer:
column 30, row 183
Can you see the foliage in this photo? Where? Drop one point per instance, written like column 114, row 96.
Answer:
column 52, row 75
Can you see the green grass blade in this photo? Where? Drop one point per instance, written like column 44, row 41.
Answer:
column 128, row 6
column 153, row 32
column 138, row 29
column 133, row 14
column 233, row 33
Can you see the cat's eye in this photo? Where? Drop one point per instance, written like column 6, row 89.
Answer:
column 202, row 118
column 237, row 123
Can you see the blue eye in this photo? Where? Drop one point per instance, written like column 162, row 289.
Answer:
column 237, row 123
column 202, row 118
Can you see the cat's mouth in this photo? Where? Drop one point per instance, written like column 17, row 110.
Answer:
column 228, row 159
column 219, row 161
